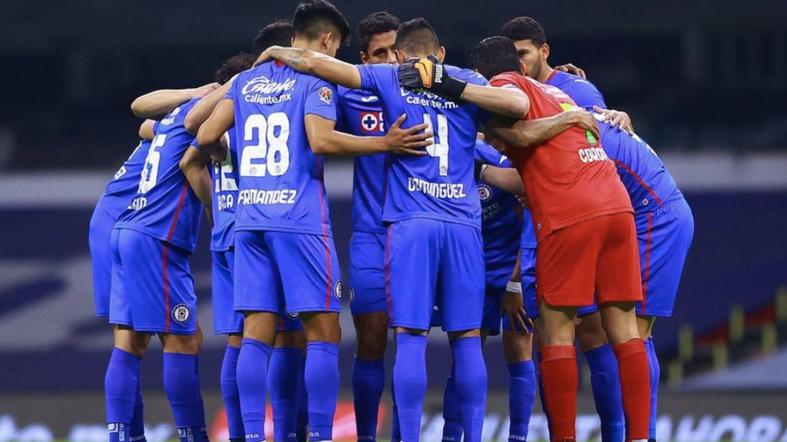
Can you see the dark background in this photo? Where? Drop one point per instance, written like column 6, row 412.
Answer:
column 693, row 74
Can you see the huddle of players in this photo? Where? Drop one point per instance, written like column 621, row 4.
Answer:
column 426, row 250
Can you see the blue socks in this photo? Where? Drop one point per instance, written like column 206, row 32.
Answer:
column 521, row 395
column 410, row 383
column 471, row 384
column 284, row 375
column 302, row 422
column 452, row 416
column 368, row 379
column 252, row 374
column 605, row 382
column 396, row 434
column 229, row 391
column 181, row 385
column 655, row 377
column 322, row 388
column 121, row 387
column 138, row 419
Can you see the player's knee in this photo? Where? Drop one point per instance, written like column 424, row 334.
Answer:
column 290, row 339
column 183, row 344
column 234, row 340
column 322, row 326
column 464, row 334
column 130, row 341
column 517, row 347
column 260, row 326
column 590, row 332
column 372, row 336
column 620, row 322
column 645, row 326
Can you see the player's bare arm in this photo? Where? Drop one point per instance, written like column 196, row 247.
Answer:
column 512, row 302
column 159, row 102
column 202, row 110
column 328, row 68
column 146, row 130
column 325, row 139
column 506, row 178
column 210, row 132
column 194, row 166
column 532, row 133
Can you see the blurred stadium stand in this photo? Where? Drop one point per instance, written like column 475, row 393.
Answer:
column 694, row 75
column 705, row 83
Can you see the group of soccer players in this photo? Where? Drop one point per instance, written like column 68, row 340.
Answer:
column 578, row 231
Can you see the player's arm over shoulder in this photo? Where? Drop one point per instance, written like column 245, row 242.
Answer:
column 310, row 62
column 511, row 102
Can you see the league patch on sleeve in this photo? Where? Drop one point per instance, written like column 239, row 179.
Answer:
column 326, row 95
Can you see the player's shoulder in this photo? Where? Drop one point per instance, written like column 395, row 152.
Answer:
column 561, row 78
column 467, row 75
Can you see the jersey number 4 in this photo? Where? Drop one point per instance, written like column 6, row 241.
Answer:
column 270, row 155
column 439, row 148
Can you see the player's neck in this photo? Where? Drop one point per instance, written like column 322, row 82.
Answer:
column 312, row 45
column 546, row 72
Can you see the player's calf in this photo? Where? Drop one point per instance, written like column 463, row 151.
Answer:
column 368, row 375
column 259, row 331
column 518, row 351
column 182, row 387
column 321, row 373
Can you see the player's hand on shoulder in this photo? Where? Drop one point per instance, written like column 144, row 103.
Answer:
column 204, row 90
column 583, row 119
column 408, row 141
column 616, row 118
column 265, row 55
column 571, row 69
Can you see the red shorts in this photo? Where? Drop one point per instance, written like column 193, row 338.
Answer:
column 599, row 256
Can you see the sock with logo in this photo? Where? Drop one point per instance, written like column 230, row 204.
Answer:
column 521, row 395
column 120, row 391
column 181, row 385
column 229, row 391
column 655, row 378
column 559, row 374
column 284, row 375
column 322, row 387
column 410, row 383
column 452, row 417
column 368, row 380
column 470, row 379
column 252, row 374
column 605, row 382
column 635, row 386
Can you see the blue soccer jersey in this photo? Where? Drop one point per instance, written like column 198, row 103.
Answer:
column 441, row 184
column 501, row 224
column 164, row 206
column 280, row 178
column 123, row 187
column 361, row 113
column 225, row 196
column 647, row 181
column 584, row 93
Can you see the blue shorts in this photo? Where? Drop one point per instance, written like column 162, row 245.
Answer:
column 225, row 319
column 152, row 287
column 434, row 263
column 664, row 237
column 367, row 273
column 99, row 241
column 284, row 272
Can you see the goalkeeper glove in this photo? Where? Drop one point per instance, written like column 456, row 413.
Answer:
column 428, row 73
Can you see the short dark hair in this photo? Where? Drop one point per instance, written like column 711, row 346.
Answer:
column 417, row 35
column 524, row 28
column 495, row 55
column 313, row 17
column 278, row 33
column 375, row 23
column 233, row 65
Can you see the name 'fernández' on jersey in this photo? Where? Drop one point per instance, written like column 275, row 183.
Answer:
column 123, row 187
column 280, row 179
column 439, row 185
column 361, row 113
column 225, row 196
column 165, row 207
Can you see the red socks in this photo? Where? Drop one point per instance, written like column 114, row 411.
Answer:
column 559, row 375
column 635, row 386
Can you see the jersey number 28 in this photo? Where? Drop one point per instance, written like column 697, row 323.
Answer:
column 270, row 155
